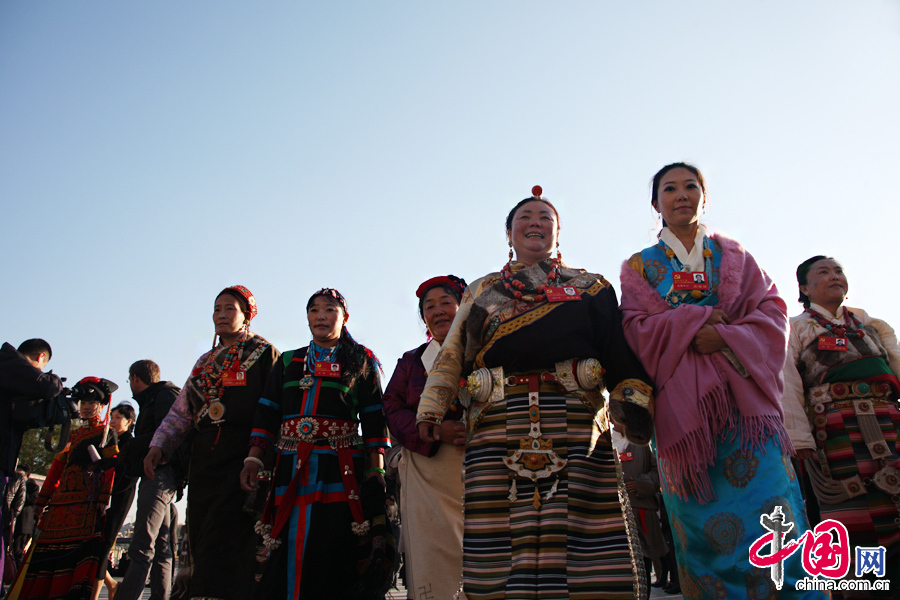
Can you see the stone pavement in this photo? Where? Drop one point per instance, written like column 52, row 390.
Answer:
column 399, row 593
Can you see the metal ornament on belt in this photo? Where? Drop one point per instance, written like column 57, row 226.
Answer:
column 535, row 458
column 888, row 480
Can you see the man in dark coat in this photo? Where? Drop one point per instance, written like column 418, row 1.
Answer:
column 150, row 551
column 21, row 380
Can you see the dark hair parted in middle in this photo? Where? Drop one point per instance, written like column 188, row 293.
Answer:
column 654, row 184
column 512, row 213
column 803, row 272
column 353, row 356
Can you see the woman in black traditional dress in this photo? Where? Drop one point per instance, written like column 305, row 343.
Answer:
column 219, row 400
column 311, row 412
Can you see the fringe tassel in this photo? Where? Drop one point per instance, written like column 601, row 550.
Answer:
column 689, row 459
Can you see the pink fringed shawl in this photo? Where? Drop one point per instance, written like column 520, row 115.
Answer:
column 697, row 394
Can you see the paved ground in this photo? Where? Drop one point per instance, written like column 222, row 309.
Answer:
column 400, row 594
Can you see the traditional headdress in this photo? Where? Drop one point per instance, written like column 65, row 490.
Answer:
column 331, row 293
column 94, row 389
column 241, row 292
column 454, row 282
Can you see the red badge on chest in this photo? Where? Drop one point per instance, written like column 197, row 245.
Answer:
column 625, row 456
column 826, row 342
column 234, row 378
column 327, row 369
column 563, row 293
column 695, row 280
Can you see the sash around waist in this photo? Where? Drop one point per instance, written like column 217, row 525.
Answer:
column 318, row 431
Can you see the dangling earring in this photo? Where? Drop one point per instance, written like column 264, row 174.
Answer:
column 558, row 253
column 510, row 251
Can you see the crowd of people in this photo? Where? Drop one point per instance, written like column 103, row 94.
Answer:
column 557, row 441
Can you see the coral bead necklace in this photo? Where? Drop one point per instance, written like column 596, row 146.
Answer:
column 852, row 327
column 518, row 288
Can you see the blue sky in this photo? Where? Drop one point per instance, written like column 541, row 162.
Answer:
column 153, row 153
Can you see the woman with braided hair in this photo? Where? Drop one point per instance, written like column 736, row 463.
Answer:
column 324, row 522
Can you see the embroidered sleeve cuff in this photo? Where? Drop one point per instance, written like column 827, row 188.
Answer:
column 377, row 444
column 636, row 392
column 429, row 417
column 261, row 441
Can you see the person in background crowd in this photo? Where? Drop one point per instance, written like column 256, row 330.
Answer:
column 14, row 502
column 715, row 351
column 641, row 477
column 314, row 404
column 21, row 378
column 430, row 472
column 122, row 422
column 841, row 410
column 25, row 523
column 149, row 552
column 71, row 505
column 542, row 511
column 218, row 401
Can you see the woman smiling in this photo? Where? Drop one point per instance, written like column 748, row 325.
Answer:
column 841, row 410
column 536, row 343
column 314, row 404
column 430, row 472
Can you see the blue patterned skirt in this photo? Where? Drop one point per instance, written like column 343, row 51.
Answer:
column 712, row 541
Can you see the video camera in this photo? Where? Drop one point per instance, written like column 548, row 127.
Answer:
column 38, row 414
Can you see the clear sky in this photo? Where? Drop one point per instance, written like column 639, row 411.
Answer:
column 153, row 153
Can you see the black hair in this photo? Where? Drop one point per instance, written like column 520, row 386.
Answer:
column 127, row 411
column 803, row 272
column 146, row 370
column 654, row 183
column 512, row 213
column 355, row 359
column 455, row 291
column 32, row 348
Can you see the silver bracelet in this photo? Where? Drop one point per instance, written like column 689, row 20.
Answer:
column 253, row 459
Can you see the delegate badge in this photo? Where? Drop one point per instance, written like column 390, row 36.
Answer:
column 234, row 378
column 626, row 456
column 562, row 293
column 694, row 280
column 327, row 369
column 826, row 342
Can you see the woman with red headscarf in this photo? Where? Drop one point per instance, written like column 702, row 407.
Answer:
column 218, row 401
column 431, row 486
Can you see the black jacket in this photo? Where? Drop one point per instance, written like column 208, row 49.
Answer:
column 155, row 402
column 19, row 379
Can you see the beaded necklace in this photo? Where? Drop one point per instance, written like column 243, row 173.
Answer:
column 517, row 287
column 673, row 298
column 211, row 379
column 844, row 330
column 318, row 354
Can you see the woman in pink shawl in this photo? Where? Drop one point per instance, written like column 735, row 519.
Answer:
column 711, row 330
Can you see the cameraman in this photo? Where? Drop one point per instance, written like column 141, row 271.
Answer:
column 22, row 380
